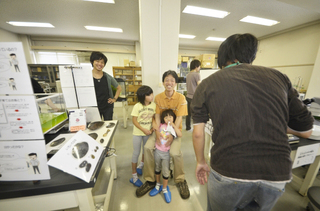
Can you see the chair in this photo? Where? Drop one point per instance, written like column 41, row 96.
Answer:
column 314, row 197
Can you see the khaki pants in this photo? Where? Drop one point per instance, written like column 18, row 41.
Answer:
column 175, row 153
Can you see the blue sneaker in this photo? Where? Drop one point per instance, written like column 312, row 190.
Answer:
column 154, row 191
column 139, row 171
column 167, row 195
column 138, row 183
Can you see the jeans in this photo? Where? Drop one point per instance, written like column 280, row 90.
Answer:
column 226, row 194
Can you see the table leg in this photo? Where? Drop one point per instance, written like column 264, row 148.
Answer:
column 113, row 164
column 85, row 199
column 124, row 111
column 310, row 176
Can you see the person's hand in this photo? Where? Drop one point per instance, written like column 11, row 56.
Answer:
column 202, row 171
column 158, row 141
column 111, row 100
column 169, row 140
column 147, row 132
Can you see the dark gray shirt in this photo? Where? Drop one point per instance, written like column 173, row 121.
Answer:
column 250, row 107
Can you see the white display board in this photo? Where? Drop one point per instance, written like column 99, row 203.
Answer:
column 23, row 160
column 84, row 89
column 305, row 155
column 207, row 72
column 19, row 118
column 14, row 74
column 78, row 157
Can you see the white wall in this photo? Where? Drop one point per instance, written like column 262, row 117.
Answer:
column 6, row 36
column 293, row 53
column 314, row 87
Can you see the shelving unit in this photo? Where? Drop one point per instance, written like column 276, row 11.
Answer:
column 133, row 79
column 46, row 73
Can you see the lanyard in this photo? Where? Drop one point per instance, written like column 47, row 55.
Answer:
column 234, row 64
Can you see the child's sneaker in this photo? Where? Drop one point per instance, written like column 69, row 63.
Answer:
column 138, row 183
column 167, row 195
column 139, row 169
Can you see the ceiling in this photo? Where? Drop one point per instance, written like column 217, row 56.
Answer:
column 70, row 16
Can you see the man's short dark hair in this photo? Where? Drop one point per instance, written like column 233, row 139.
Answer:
column 33, row 153
column 241, row 47
column 194, row 64
column 12, row 54
column 170, row 72
column 166, row 113
column 96, row 55
column 142, row 92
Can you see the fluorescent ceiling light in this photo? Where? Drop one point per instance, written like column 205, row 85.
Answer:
column 102, row 1
column 260, row 21
column 186, row 36
column 216, row 39
column 98, row 28
column 31, row 24
column 205, row 12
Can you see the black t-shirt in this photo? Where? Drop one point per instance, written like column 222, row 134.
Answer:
column 102, row 93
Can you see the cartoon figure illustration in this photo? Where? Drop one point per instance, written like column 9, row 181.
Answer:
column 34, row 162
column 12, row 84
column 14, row 62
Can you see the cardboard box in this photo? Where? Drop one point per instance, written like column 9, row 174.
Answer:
column 208, row 64
column 126, row 62
column 185, row 59
column 206, row 57
column 132, row 64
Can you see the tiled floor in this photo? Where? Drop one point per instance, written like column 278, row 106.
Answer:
column 123, row 194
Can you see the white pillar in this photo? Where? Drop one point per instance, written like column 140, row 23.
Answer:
column 314, row 84
column 159, row 39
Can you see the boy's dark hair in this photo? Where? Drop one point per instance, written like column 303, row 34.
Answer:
column 194, row 64
column 33, row 153
column 241, row 47
column 11, row 78
column 166, row 113
column 142, row 92
column 12, row 54
column 170, row 72
column 96, row 55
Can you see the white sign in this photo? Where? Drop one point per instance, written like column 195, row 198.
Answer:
column 79, row 156
column 305, row 155
column 19, row 118
column 77, row 120
column 23, row 160
column 83, row 80
column 14, row 74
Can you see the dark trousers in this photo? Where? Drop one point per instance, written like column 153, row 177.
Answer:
column 107, row 113
column 36, row 168
column 188, row 118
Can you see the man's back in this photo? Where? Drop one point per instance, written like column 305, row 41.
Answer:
column 249, row 109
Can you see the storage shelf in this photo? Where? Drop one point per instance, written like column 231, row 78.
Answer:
column 132, row 83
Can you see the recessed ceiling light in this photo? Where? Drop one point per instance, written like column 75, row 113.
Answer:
column 98, row 28
column 31, row 24
column 102, row 1
column 186, row 36
column 216, row 39
column 205, row 12
column 260, row 21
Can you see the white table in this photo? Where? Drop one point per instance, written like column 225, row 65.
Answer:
column 64, row 198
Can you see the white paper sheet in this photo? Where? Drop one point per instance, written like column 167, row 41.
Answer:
column 23, row 160
column 70, row 97
column 83, row 167
column 66, row 79
column 19, row 118
column 14, row 73
column 305, row 155
column 83, row 75
column 86, row 96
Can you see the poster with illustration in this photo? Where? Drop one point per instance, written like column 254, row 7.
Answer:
column 19, row 118
column 23, row 160
column 78, row 157
column 14, row 74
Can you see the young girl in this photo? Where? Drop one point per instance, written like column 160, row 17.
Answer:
column 162, row 155
column 142, row 114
